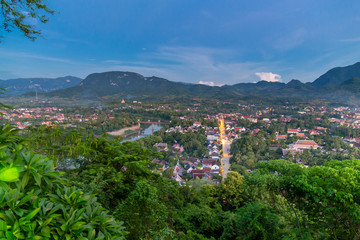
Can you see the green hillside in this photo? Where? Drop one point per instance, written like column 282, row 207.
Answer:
column 337, row 75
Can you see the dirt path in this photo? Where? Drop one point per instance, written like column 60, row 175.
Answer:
column 123, row 130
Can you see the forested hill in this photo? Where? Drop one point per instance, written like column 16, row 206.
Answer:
column 115, row 85
column 337, row 76
column 126, row 84
column 23, row 85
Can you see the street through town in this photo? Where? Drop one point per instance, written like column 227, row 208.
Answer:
column 225, row 160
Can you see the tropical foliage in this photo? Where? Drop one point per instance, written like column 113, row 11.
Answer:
column 37, row 203
column 279, row 200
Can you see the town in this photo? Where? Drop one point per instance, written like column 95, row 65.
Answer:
column 192, row 145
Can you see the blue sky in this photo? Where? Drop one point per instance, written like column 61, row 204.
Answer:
column 207, row 41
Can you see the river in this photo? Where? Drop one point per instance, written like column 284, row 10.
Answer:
column 143, row 133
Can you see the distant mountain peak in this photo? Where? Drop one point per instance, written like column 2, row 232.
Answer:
column 294, row 83
column 23, row 85
column 337, row 75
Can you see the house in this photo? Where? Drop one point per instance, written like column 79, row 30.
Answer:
column 301, row 135
column 163, row 163
column 209, row 162
column 161, row 147
column 207, row 170
column 333, row 120
column 193, row 160
column 240, row 129
column 299, row 146
column 305, row 144
column 313, row 132
column 280, row 137
column 190, row 167
column 256, row 130
column 215, row 168
column 293, row 131
column 321, row 128
column 253, row 120
column 198, row 174
column 177, row 178
column 177, row 147
column 215, row 155
column 197, row 124
column 178, row 170
column 213, row 137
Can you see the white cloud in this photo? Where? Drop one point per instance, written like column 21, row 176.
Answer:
column 269, row 76
column 212, row 84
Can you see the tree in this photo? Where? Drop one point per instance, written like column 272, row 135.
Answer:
column 142, row 211
column 255, row 221
column 18, row 14
column 168, row 173
column 232, row 190
column 324, row 200
column 37, row 203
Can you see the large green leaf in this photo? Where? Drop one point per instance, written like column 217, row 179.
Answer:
column 9, row 174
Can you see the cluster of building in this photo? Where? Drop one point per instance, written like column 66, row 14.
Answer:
column 347, row 117
column 299, row 146
column 23, row 117
column 194, row 167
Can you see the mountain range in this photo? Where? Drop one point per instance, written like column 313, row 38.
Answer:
column 340, row 84
column 23, row 85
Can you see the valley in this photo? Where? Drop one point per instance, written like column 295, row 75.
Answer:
column 179, row 120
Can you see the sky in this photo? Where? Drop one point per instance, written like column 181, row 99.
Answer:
column 198, row 41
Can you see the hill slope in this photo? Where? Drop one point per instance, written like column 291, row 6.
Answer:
column 337, row 75
column 41, row 85
column 116, row 85
column 128, row 84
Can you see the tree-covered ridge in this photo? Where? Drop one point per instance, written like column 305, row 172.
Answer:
column 333, row 86
column 24, row 85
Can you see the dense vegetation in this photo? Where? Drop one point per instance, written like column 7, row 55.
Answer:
column 279, row 200
column 37, row 203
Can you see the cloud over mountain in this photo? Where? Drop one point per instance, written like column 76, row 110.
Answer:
column 212, row 84
column 269, row 76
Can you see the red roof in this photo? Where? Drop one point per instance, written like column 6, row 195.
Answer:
column 301, row 135
column 281, row 136
column 306, row 142
column 293, row 130
column 207, row 169
column 198, row 173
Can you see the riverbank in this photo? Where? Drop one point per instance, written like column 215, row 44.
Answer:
column 122, row 131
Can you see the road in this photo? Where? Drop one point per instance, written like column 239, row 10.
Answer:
column 226, row 157
column 225, row 160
